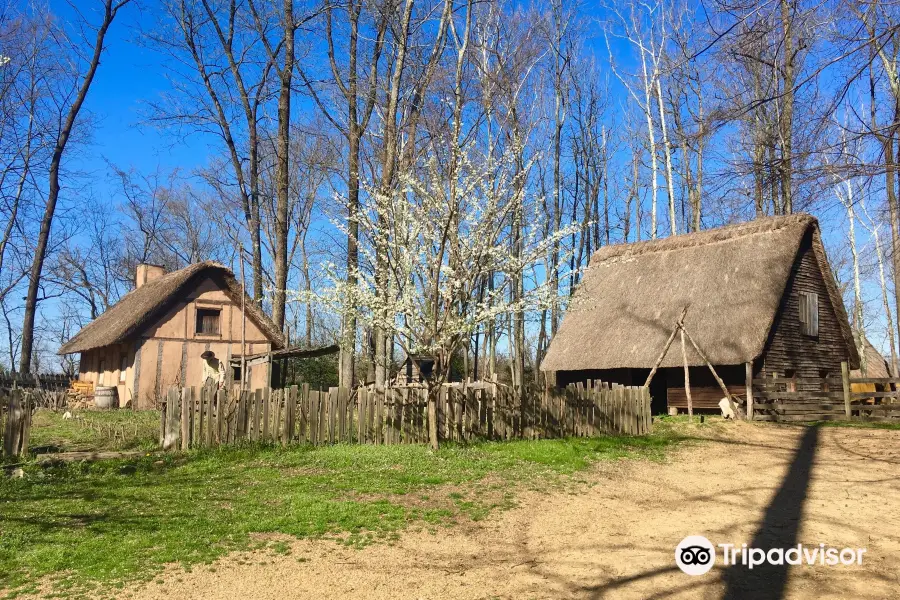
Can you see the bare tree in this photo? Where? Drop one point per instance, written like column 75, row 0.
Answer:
column 217, row 53
column 73, row 104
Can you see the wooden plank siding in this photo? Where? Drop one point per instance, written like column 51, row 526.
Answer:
column 705, row 397
column 788, row 351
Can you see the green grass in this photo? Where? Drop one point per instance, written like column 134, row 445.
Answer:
column 94, row 430
column 93, row 527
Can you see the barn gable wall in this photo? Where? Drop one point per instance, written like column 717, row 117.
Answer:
column 787, row 349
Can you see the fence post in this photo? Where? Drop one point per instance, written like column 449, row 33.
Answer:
column 186, row 405
column 361, row 400
column 27, row 407
column 17, row 414
column 648, row 412
column 221, row 399
column 749, row 376
column 845, row 379
column 162, row 424
column 267, row 400
column 290, row 414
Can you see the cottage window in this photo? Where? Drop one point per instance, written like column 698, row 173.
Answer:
column 123, row 367
column 208, row 321
column 809, row 314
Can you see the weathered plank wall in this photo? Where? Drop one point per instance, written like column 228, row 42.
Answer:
column 790, row 351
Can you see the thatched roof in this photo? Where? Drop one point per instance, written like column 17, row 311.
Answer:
column 732, row 280
column 876, row 364
column 143, row 305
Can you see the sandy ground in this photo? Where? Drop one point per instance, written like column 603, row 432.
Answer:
column 615, row 536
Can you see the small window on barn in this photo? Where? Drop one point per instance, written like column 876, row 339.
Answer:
column 208, row 321
column 123, row 367
column 809, row 314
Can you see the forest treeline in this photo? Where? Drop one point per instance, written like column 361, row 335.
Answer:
column 432, row 176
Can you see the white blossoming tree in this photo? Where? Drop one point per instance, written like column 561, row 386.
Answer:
column 440, row 237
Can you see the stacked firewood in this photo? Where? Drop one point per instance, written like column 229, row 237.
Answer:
column 80, row 395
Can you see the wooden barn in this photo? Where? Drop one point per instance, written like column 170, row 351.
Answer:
column 760, row 301
column 158, row 334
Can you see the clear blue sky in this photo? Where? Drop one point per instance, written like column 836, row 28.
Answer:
column 129, row 76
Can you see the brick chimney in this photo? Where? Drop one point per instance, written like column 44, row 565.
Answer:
column 146, row 273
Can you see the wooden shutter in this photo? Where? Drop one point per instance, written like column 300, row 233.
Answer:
column 207, row 321
column 809, row 313
column 813, row 305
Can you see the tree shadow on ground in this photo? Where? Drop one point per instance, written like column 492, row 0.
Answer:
column 779, row 528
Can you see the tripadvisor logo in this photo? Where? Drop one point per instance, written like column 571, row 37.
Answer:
column 696, row 555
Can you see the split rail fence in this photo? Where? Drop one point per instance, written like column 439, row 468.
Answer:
column 192, row 417
column 827, row 399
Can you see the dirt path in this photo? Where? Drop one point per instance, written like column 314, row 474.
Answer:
column 616, row 536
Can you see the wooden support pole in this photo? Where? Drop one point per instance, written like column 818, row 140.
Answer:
column 749, row 383
column 845, row 379
column 708, row 364
column 687, row 376
column 665, row 349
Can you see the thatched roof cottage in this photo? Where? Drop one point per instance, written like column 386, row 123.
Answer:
column 155, row 335
column 759, row 292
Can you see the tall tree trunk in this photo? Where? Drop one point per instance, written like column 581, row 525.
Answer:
column 250, row 107
column 40, row 251
column 651, row 137
column 635, row 191
column 558, row 122
column 697, row 204
column 388, row 169
column 282, row 169
column 357, row 122
column 667, row 152
column 879, row 254
column 307, row 286
column 890, row 185
column 787, row 112
column 857, row 286
column 348, row 342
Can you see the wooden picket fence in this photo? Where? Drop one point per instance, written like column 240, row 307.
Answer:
column 192, row 417
column 15, row 422
column 50, row 381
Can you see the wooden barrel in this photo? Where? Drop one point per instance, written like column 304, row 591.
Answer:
column 106, row 397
